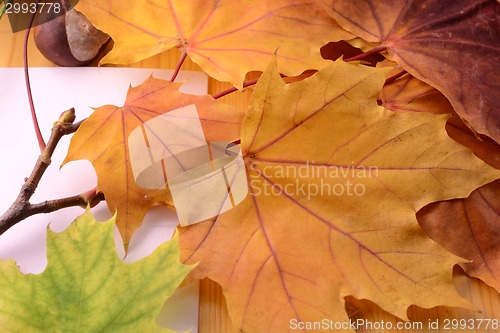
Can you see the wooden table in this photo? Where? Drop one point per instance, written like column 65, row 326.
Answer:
column 213, row 317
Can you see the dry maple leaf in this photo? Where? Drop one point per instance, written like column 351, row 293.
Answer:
column 103, row 140
column 451, row 45
column 227, row 38
column 470, row 228
column 334, row 184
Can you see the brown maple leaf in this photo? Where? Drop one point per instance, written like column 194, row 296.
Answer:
column 451, row 45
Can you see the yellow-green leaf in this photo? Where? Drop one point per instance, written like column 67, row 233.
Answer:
column 87, row 288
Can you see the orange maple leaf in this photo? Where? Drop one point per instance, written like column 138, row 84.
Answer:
column 226, row 38
column 103, row 140
column 334, row 184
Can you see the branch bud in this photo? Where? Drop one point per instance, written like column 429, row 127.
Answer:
column 67, row 116
column 88, row 198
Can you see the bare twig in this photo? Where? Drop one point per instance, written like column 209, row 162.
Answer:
column 22, row 208
column 50, row 206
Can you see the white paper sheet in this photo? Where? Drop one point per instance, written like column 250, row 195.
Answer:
column 55, row 90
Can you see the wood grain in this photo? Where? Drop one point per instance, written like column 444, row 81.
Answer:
column 213, row 316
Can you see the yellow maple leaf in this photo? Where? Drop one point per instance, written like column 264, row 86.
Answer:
column 334, row 184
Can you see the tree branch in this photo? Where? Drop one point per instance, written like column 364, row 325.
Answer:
column 22, row 208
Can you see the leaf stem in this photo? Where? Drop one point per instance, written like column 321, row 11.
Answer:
column 363, row 55
column 233, row 89
column 41, row 142
column 22, row 208
column 395, row 76
column 179, row 65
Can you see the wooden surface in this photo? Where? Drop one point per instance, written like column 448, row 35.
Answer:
column 213, row 317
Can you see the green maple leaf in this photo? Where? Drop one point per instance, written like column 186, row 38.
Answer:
column 87, row 288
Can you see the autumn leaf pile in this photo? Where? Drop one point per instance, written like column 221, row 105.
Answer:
column 339, row 165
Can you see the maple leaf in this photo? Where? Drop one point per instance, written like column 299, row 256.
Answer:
column 470, row 228
column 334, row 184
column 87, row 288
column 452, row 46
column 226, row 38
column 103, row 140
